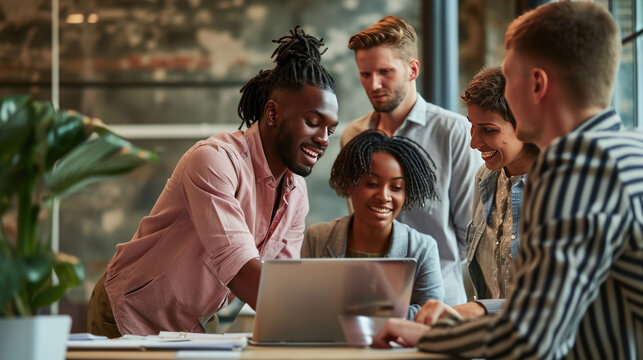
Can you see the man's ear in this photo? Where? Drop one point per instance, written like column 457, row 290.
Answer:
column 414, row 69
column 270, row 112
column 540, row 83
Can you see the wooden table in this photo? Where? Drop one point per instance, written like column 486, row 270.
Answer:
column 262, row 353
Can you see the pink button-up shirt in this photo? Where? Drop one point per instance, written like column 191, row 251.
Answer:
column 212, row 218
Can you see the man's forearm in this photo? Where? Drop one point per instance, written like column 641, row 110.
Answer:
column 245, row 285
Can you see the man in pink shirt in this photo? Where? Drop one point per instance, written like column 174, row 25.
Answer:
column 232, row 201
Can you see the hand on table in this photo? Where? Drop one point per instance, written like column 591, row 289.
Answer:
column 408, row 333
column 404, row 332
column 433, row 310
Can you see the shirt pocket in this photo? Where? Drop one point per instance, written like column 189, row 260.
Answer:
column 148, row 289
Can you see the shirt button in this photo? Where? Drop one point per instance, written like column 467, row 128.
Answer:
column 513, row 237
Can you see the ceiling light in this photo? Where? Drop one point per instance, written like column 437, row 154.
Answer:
column 75, row 19
column 92, row 18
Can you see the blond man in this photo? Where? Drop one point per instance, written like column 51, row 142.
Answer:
column 387, row 59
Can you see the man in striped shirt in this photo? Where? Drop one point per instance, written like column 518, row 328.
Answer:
column 578, row 291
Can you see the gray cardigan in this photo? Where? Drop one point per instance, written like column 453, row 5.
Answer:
column 330, row 240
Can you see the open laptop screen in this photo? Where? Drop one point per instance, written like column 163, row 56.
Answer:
column 305, row 300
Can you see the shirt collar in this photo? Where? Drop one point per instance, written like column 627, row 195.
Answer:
column 259, row 162
column 418, row 111
column 487, row 188
column 606, row 120
column 416, row 115
column 514, row 179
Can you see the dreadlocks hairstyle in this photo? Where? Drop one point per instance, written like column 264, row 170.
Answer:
column 298, row 59
column 354, row 162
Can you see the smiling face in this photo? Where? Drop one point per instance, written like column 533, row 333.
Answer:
column 384, row 76
column 495, row 138
column 305, row 120
column 379, row 197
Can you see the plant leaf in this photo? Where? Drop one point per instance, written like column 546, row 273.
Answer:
column 37, row 267
column 67, row 150
column 69, row 270
column 70, row 273
column 68, row 130
column 48, row 296
column 15, row 126
column 43, row 120
column 96, row 159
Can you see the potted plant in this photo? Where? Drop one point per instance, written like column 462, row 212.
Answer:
column 45, row 154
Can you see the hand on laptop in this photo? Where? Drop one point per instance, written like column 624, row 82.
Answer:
column 408, row 333
column 404, row 332
column 433, row 310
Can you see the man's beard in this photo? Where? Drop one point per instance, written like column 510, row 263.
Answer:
column 289, row 153
column 398, row 96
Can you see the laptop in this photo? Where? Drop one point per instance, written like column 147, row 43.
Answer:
column 318, row 302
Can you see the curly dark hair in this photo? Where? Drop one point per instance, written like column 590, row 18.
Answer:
column 354, row 162
column 298, row 59
column 487, row 90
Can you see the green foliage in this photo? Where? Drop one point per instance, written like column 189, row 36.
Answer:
column 47, row 154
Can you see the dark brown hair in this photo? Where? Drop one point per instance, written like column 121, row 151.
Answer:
column 486, row 90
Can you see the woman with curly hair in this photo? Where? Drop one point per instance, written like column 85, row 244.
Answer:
column 382, row 175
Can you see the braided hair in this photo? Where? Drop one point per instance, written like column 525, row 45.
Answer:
column 354, row 162
column 298, row 59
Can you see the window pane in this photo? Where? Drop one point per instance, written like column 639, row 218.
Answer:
column 25, row 48
column 482, row 27
column 625, row 88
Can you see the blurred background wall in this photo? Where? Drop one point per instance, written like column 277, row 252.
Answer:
column 166, row 73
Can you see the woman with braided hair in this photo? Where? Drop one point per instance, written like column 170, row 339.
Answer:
column 232, row 201
column 382, row 175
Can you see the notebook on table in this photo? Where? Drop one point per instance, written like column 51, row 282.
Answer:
column 319, row 301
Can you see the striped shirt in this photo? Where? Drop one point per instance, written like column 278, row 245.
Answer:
column 578, row 291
